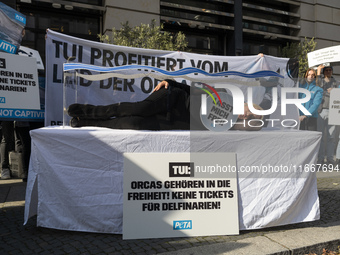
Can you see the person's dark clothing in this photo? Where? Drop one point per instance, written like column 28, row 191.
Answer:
column 7, row 142
column 23, row 145
column 309, row 124
column 322, row 83
column 165, row 109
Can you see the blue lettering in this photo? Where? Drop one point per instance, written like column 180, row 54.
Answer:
column 182, row 224
column 7, row 47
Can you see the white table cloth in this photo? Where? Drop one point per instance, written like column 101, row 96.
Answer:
column 75, row 177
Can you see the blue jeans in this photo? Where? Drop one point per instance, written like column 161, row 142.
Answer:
column 338, row 150
column 328, row 136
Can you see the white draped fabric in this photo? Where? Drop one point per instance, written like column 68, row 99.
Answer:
column 75, row 178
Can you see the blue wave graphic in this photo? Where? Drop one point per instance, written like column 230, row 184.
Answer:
column 184, row 71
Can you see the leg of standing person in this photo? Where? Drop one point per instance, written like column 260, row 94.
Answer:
column 7, row 141
column 308, row 124
column 22, row 133
column 303, row 125
column 327, row 145
column 312, row 124
column 321, row 128
column 338, row 153
column 330, row 144
column 0, row 141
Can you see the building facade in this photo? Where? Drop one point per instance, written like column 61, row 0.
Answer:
column 218, row 27
column 240, row 27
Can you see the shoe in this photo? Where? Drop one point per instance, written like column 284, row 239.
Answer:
column 79, row 110
column 321, row 161
column 24, row 176
column 75, row 122
column 5, row 174
column 331, row 162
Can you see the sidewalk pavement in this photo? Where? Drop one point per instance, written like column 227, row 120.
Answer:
column 301, row 238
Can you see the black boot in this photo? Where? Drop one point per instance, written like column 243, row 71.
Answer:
column 76, row 122
column 80, row 110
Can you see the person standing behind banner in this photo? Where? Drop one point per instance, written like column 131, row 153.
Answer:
column 7, row 142
column 23, row 145
column 310, row 122
column 327, row 83
column 337, row 154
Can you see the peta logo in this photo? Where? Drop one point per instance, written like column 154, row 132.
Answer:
column 20, row 18
column 180, row 169
column 182, row 224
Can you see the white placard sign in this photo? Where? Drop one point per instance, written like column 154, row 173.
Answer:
column 334, row 107
column 19, row 87
column 28, row 52
column 163, row 199
column 325, row 55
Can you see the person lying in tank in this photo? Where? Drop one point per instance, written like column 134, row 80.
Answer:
column 167, row 108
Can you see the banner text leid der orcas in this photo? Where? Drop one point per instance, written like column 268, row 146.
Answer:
column 181, row 169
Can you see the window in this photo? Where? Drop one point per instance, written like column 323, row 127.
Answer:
column 41, row 15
